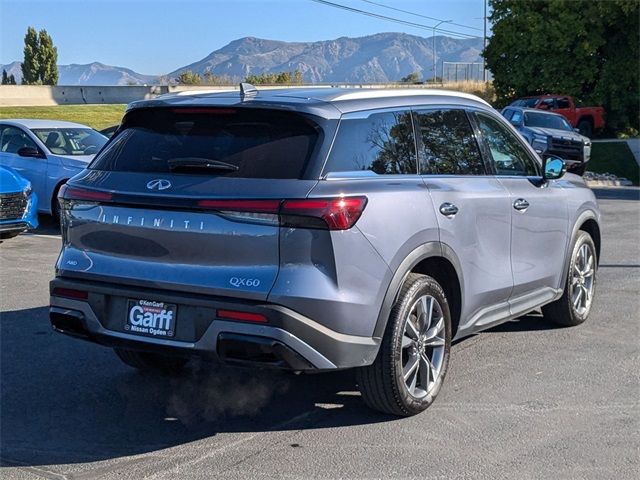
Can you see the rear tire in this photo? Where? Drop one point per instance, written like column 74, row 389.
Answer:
column 580, row 286
column 151, row 362
column 585, row 128
column 408, row 372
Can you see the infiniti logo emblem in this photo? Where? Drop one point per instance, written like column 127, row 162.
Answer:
column 159, row 184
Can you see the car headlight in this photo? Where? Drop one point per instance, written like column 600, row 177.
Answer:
column 27, row 191
column 539, row 138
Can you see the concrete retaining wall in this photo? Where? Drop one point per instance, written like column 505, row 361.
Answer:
column 42, row 95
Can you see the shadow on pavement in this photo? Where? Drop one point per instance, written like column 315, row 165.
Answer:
column 66, row 401
column 617, row 193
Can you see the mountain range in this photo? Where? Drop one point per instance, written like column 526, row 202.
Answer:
column 383, row 57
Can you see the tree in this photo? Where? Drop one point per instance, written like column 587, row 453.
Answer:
column 189, row 78
column 40, row 63
column 47, row 59
column 12, row 79
column 286, row 78
column 30, row 65
column 586, row 49
column 5, row 78
column 411, row 78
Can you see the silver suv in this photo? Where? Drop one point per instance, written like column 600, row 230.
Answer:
column 318, row 230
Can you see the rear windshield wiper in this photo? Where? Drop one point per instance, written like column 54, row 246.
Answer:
column 188, row 163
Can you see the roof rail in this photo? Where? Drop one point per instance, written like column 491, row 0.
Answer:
column 366, row 93
column 247, row 90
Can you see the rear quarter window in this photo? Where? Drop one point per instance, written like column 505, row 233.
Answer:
column 253, row 143
column 382, row 142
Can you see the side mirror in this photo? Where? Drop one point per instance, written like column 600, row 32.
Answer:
column 554, row 168
column 30, row 152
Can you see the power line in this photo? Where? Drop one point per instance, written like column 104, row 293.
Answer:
column 392, row 19
column 419, row 15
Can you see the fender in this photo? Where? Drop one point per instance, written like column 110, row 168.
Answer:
column 583, row 217
column 424, row 251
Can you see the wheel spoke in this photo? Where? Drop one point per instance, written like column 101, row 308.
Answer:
column 433, row 331
column 410, row 367
column 435, row 342
column 411, row 330
column 588, row 271
column 407, row 341
column 426, row 372
column 578, row 297
column 424, row 309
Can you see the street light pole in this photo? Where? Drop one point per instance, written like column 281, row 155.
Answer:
column 435, row 62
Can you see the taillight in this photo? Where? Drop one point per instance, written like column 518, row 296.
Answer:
column 242, row 316
column 68, row 193
column 339, row 213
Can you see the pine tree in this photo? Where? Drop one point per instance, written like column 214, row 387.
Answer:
column 47, row 59
column 30, row 65
column 12, row 79
column 5, row 78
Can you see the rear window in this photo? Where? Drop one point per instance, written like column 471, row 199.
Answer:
column 246, row 143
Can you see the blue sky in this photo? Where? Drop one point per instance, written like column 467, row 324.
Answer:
column 158, row 36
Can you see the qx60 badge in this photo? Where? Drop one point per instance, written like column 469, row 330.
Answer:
column 158, row 184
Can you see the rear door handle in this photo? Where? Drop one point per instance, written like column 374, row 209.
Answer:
column 448, row 209
column 521, row 204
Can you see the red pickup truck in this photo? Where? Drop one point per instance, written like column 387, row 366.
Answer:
column 586, row 119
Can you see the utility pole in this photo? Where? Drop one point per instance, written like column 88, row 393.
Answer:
column 484, row 44
column 435, row 62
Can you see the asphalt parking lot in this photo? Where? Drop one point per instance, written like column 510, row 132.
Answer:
column 525, row 400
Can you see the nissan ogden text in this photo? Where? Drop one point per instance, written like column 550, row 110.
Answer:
column 318, row 230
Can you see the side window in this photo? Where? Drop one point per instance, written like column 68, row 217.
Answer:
column 13, row 139
column 516, row 119
column 563, row 102
column 446, row 144
column 509, row 156
column 381, row 142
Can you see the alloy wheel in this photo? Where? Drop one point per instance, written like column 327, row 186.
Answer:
column 582, row 280
column 423, row 346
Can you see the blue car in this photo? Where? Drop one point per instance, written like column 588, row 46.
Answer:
column 18, row 204
column 47, row 153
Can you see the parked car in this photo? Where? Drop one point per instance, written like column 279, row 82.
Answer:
column 109, row 131
column 550, row 134
column 586, row 119
column 18, row 204
column 47, row 153
column 319, row 230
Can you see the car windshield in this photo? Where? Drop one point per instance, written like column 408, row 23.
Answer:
column 546, row 121
column 526, row 102
column 71, row 141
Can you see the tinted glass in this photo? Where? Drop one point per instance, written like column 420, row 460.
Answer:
column 446, row 144
column 71, row 141
column 13, row 139
column 509, row 156
column 381, row 142
column 516, row 119
column 525, row 102
column 563, row 103
column 247, row 143
column 533, row 119
column 508, row 113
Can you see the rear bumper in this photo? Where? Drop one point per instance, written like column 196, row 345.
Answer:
column 287, row 340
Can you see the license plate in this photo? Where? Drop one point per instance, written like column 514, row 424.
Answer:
column 154, row 319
